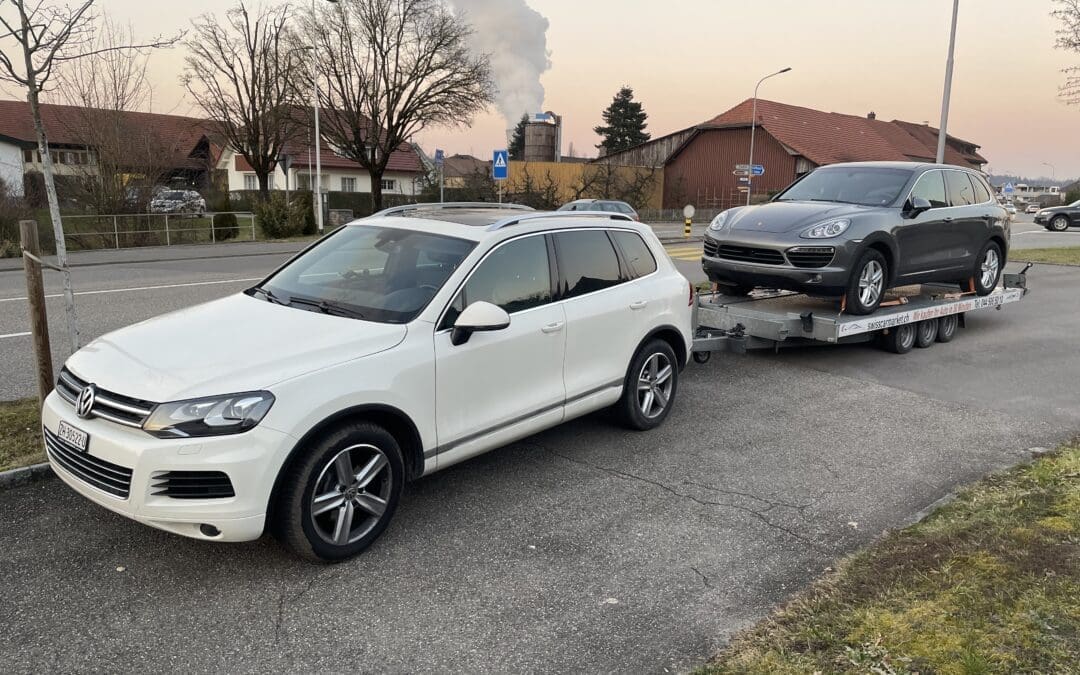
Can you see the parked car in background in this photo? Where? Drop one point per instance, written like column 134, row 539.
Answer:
column 855, row 230
column 1059, row 218
column 394, row 347
column 1010, row 208
column 1032, row 208
column 178, row 201
column 610, row 205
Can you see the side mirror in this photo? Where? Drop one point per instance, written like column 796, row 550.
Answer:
column 917, row 205
column 479, row 316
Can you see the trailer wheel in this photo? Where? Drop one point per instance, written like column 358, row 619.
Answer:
column 899, row 340
column 926, row 333
column 702, row 357
column 947, row 327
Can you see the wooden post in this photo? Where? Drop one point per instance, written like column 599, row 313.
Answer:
column 35, row 294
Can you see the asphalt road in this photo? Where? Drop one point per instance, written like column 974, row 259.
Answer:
column 584, row 548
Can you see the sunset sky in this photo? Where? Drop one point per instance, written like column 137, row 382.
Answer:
column 689, row 60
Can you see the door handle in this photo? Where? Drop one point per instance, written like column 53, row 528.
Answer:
column 640, row 304
column 554, row 327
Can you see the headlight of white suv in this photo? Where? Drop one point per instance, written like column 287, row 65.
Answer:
column 211, row 416
column 827, row 230
column 719, row 221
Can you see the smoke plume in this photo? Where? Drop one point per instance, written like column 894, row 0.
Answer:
column 515, row 37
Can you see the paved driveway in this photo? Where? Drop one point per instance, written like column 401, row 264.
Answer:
column 585, row 548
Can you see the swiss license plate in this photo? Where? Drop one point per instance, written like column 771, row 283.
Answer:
column 80, row 439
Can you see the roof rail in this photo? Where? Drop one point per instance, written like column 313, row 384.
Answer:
column 514, row 220
column 438, row 206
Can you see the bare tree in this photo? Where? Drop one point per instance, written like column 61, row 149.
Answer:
column 1068, row 38
column 388, row 69
column 37, row 38
column 240, row 72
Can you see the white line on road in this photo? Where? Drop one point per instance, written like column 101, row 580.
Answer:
column 14, row 335
column 142, row 288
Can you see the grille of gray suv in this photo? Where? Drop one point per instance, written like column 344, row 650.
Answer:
column 105, row 476
column 810, row 256
column 131, row 412
column 764, row 256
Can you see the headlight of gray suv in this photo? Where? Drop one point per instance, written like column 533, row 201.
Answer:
column 718, row 222
column 211, row 416
column 828, row 229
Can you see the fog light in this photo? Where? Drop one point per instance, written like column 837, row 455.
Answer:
column 815, row 278
column 209, row 530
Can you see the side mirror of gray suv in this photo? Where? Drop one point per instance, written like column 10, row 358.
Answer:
column 915, row 206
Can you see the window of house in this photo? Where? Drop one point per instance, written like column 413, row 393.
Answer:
column 303, row 181
column 389, row 184
column 28, row 156
column 251, row 181
column 516, row 277
column 348, row 184
column 587, row 262
column 270, row 182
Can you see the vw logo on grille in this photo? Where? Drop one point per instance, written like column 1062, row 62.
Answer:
column 85, row 403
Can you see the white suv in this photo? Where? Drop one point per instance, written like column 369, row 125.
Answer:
column 391, row 348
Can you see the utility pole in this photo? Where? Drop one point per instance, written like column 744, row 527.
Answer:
column 948, row 87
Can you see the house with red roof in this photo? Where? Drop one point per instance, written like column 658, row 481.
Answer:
column 699, row 162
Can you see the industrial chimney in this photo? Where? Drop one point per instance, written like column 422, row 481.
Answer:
column 543, row 137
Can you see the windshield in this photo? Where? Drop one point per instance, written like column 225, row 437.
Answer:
column 172, row 196
column 1075, row 204
column 867, row 186
column 372, row 273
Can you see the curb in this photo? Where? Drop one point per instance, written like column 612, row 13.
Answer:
column 24, row 475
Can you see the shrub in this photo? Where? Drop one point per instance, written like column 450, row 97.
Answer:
column 279, row 218
column 1072, row 195
column 226, row 227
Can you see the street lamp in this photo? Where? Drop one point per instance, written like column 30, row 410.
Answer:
column 317, row 192
column 753, row 127
column 942, row 134
column 1053, row 171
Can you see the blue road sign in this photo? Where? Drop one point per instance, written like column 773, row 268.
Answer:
column 440, row 156
column 1009, row 189
column 757, row 170
column 500, row 165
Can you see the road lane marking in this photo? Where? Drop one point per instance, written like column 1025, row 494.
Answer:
column 14, row 335
column 144, row 288
column 689, row 253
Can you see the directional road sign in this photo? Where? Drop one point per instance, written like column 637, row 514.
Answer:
column 440, row 157
column 500, row 165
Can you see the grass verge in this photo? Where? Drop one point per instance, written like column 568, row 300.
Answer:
column 988, row 583
column 1057, row 256
column 20, row 434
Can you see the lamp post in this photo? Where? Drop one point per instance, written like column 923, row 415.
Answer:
column 317, row 190
column 948, row 87
column 753, row 128
column 1053, row 171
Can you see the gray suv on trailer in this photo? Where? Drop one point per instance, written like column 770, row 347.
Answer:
column 855, row 230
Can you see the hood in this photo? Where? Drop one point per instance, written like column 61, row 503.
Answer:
column 235, row 344
column 789, row 216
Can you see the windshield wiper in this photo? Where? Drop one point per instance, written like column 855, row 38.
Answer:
column 327, row 307
column 269, row 295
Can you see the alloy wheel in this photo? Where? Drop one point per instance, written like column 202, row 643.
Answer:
column 871, row 283
column 655, row 383
column 351, row 494
column 990, row 265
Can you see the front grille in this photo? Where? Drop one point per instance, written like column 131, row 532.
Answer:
column 130, row 412
column 105, row 476
column 192, row 485
column 810, row 256
column 764, row 256
column 710, row 247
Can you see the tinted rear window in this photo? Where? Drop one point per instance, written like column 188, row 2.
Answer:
column 636, row 253
column 961, row 192
column 587, row 262
column 982, row 194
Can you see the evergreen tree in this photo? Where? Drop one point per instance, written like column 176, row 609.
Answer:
column 517, row 140
column 625, row 123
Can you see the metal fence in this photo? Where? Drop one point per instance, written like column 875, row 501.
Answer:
column 134, row 230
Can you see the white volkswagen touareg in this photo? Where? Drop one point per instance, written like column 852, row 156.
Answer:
column 393, row 347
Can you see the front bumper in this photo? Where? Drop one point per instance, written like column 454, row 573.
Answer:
column 831, row 279
column 251, row 461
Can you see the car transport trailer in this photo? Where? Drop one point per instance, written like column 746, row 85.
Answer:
column 910, row 316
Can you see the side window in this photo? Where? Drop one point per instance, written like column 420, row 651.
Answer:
column 982, row 195
column 515, row 277
column 961, row 193
column 931, row 187
column 587, row 262
column 625, row 208
column 636, row 252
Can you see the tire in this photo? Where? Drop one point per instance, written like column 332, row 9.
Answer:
column 734, row 289
column 947, row 326
column 1058, row 224
column 321, row 471
column 702, row 357
column 650, row 387
column 926, row 333
column 988, row 268
column 868, row 282
column 900, row 339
